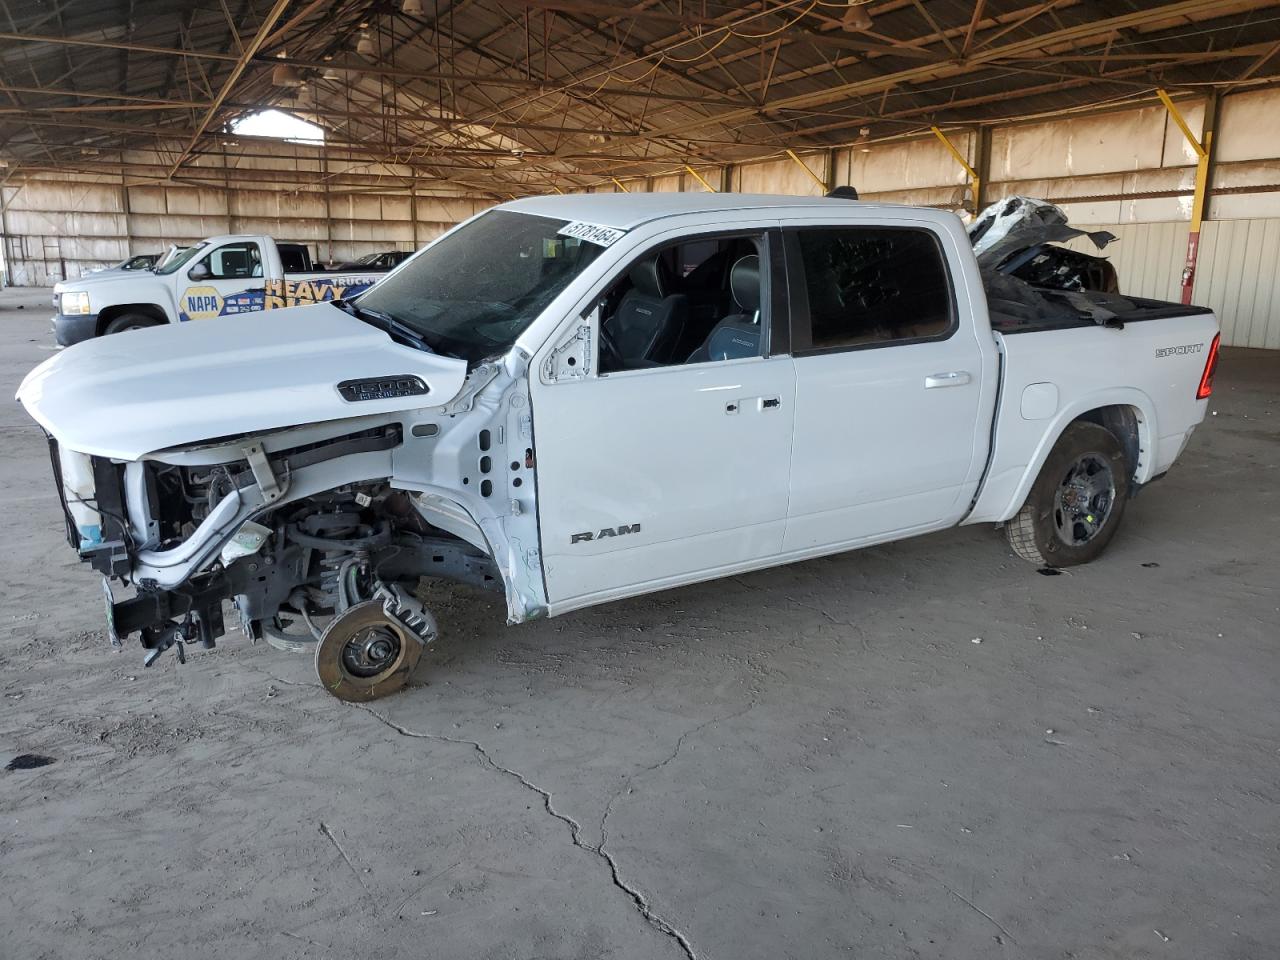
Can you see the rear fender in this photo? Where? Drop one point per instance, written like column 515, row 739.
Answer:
column 1004, row 493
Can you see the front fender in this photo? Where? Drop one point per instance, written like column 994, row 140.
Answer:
column 109, row 293
column 511, row 545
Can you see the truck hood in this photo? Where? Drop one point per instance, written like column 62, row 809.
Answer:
column 143, row 286
column 133, row 393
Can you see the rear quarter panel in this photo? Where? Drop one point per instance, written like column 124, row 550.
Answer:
column 1153, row 366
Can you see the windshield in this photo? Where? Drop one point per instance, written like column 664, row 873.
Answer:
column 180, row 258
column 474, row 292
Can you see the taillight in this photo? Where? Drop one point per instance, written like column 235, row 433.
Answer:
column 1210, row 367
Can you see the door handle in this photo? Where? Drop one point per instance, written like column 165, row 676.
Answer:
column 953, row 378
column 760, row 403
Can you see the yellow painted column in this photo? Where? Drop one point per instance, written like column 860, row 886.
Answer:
column 975, row 181
column 805, row 167
column 702, row 180
column 1203, row 146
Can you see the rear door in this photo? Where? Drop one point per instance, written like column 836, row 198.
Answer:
column 891, row 422
column 668, row 472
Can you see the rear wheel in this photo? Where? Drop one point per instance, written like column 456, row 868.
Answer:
column 129, row 321
column 364, row 655
column 1075, row 506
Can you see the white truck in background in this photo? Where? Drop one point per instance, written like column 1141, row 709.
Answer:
column 578, row 399
column 220, row 276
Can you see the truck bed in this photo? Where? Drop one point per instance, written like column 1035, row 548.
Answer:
column 1146, row 372
column 1017, row 307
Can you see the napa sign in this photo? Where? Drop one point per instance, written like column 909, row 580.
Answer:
column 206, row 302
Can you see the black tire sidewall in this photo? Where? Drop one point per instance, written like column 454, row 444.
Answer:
column 1077, row 440
column 127, row 321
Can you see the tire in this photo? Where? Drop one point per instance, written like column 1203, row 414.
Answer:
column 1076, row 503
column 359, row 679
column 129, row 321
column 289, row 634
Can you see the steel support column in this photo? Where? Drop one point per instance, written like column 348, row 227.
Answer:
column 975, row 180
column 982, row 164
column 413, row 211
column 697, row 176
column 6, row 249
column 124, row 208
column 328, row 209
column 805, row 167
column 1203, row 147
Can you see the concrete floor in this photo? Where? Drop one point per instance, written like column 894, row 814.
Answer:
column 815, row 761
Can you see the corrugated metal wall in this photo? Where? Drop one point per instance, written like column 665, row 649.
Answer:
column 1130, row 171
column 1239, row 260
column 58, row 229
column 1235, row 276
column 1148, row 257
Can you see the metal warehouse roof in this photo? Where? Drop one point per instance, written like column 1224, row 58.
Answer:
column 519, row 96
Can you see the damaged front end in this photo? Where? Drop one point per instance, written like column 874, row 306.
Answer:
column 301, row 526
column 315, row 464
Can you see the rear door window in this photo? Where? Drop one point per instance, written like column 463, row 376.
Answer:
column 857, row 287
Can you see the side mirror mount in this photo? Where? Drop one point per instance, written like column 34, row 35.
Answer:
column 571, row 358
column 198, row 272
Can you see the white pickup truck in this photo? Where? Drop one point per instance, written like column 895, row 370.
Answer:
column 577, row 399
column 217, row 277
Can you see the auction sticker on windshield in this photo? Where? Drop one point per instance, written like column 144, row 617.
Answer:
column 591, row 232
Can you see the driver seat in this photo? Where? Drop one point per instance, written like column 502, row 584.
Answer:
column 649, row 320
column 737, row 335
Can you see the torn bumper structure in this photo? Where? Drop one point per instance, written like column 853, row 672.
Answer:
column 293, row 523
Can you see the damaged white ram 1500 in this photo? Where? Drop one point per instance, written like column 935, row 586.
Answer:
column 576, row 399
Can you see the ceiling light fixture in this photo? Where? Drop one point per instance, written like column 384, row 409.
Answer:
column 856, row 18
column 364, row 46
column 411, row 8
column 284, row 75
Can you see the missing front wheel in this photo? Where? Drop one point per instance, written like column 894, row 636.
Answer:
column 369, row 650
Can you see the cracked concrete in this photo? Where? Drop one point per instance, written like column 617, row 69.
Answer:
column 575, row 829
column 807, row 762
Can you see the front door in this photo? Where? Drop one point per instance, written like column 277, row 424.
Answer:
column 892, row 421
column 227, row 280
column 669, row 461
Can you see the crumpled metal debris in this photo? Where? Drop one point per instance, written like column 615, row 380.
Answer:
column 1018, row 223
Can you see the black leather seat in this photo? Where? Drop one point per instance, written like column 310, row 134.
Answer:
column 649, row 319
column 737, row 335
